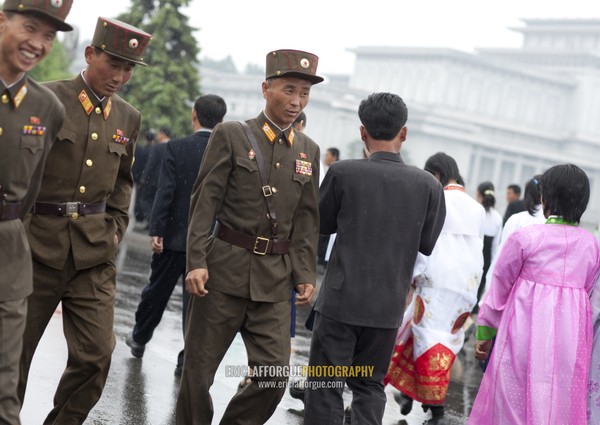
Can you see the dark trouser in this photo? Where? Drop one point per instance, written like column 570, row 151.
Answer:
column 338, row 344
column 167, row 268
column 87, row 298
column 212, row 323
column 138, row 207
column 12, row 325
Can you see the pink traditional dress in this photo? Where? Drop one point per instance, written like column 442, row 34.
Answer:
column 538, row 308
column 446, row 290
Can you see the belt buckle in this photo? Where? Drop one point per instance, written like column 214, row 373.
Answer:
column 266, row 190
column 257, row 241
column 71, row 208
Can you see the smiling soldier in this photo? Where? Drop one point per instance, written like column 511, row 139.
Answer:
column 81, row 215
column 30, row 118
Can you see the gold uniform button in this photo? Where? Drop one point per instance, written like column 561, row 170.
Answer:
column 1, row 131
column 4, row 98
column 89, row 162
column 280, row 141
column 274, row 189
column 74, row 216
column 81, row 189
column 98, row 110
column 278, row 165
column 94, row 136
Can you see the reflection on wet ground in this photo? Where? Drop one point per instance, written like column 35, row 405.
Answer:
column 144, row 392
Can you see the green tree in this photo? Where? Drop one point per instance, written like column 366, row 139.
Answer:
column 165, row 91
column 55, row 66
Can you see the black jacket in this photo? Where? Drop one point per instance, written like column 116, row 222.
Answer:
column 384, row 212
column 178, row 172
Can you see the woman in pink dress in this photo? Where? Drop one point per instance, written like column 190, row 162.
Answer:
column 538, row 308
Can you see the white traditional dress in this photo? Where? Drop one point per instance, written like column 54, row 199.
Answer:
column 446, row 291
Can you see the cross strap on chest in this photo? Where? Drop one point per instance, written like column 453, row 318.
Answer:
column 266, row 188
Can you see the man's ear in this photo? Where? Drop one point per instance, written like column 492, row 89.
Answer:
column 89, row 52
column 403, row 132
column 363, row 133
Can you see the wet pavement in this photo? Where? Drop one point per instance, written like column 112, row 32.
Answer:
column 144, row 391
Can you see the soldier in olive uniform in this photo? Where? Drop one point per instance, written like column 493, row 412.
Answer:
column 80, row 216
column 264, row 196
column 30, row 117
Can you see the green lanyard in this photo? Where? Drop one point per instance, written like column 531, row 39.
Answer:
column 557, row 219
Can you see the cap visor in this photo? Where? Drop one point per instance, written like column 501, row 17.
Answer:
column 126, row 59
column 315, row 79
column 60, row 25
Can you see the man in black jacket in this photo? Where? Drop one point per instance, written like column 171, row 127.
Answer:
column 169, row 221
column 384, row 212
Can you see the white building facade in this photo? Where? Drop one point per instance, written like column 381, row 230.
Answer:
column 503, row 114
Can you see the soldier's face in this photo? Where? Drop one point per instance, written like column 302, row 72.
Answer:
column 24, row 41
column 106, row 74
column 286, row 98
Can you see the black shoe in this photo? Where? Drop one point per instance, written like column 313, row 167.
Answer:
column 178, row 370
column 137, row 350
column 437, row 415
column 244, row 382
column 297, row 391
column 348, row 415
column 405, row 402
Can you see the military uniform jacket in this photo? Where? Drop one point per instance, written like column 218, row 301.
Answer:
column 178, row 172
column 90, row 162
column 229, row 188
column 384, row 212
column 30, row 117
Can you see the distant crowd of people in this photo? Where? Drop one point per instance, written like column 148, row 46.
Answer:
column 244, row 212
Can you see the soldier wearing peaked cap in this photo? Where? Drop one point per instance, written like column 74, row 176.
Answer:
column 260, row 179
column 80, row 216
column 30, row 117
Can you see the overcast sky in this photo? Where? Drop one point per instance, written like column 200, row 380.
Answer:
column 247, row 30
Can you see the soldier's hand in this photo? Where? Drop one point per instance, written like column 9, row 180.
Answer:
column 305, row 293
column 195, row 281
column 156, row 243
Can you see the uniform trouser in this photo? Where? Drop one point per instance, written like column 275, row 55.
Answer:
column 167, row 267
column 12, row 325
column 212, row 323
column 339, row 344
column 87, row 298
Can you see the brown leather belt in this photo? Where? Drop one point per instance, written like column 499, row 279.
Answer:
column 69, row 208
column 257, row 245
column 9, row 210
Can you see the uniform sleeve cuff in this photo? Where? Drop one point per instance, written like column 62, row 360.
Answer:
column 485, row 333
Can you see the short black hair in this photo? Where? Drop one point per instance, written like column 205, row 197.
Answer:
column 335, row 152
column 445, row 166
column 515, row 188
column 486, row 189
column 531, row 199
column 210, row 110
column 301, row 117
column 166, row 131
column 383, row 115
column 149, row 135
column 565, row 191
